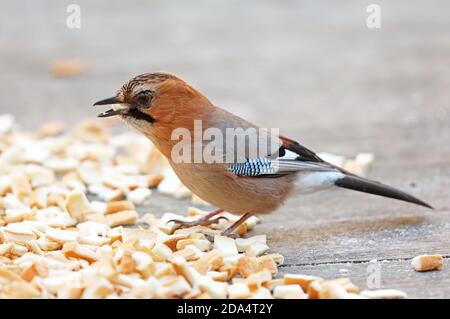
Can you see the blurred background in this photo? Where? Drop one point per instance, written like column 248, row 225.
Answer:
column 313, row 69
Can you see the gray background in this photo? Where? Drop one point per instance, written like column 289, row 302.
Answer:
column 313, row 69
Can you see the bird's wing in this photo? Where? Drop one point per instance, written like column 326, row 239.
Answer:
column 284, row 156
column 265, row 167
column 303, row 154
column 290, row 158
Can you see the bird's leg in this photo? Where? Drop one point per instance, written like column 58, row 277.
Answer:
column 203, row 221
column 238, row 223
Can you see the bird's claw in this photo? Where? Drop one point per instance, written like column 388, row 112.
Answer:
column 199, row 222
column 210, row 237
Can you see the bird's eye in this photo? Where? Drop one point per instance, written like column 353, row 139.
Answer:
column 144, row 98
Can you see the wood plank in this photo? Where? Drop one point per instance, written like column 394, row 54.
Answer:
column 332, row 84
column 393, row 274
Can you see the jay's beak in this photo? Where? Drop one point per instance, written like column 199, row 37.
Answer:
column 108, row 101
column 119, row 107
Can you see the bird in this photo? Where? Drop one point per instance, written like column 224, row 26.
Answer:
column 247, row 183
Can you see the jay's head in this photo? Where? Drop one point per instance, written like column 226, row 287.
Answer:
column 154, row 101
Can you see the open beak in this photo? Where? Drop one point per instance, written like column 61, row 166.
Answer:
column 118, row 109
column 108, row 101
column 110, row 112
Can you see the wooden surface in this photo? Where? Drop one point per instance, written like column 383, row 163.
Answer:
column 313, row 70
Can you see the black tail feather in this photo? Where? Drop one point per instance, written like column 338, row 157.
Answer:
column 367, row 186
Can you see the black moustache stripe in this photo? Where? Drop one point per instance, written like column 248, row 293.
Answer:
column 135, row 113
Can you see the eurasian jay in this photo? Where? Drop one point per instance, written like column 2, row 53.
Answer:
column 157, row 104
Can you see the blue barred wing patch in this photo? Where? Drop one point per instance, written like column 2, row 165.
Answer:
column 253, row 167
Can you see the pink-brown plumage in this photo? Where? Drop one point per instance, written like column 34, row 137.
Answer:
column 156, row 104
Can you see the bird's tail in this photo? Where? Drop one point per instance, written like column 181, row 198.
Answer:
column 367, row 186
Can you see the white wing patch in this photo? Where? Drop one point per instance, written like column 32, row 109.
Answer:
column 289, row 155
column 310, row 182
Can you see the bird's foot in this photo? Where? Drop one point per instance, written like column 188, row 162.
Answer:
column 228, row 232
column 199, row 222
column 203, row 221
column 211, row 236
